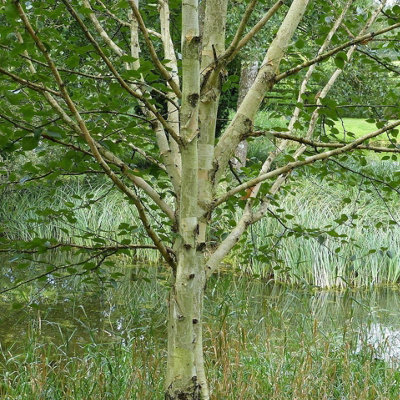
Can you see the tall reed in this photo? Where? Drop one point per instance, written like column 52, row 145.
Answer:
column 81, row 213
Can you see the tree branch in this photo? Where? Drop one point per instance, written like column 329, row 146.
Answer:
column 147, row 156
column 235, row 47
column 165, row 74
column 241, row 28
column 369, row 177
column 122, row 22
column 98, row 77
column 120, row 80
column 100, row 30
column 31, row 85
column 56, row 269
column 380, row 62
column 169, row 54
column 112, row 15
column 335, row 50
column 125, row 169
column 300, row 100
column 314, row 144
column 296, row 164
column 91, row 248
column 264, row 82
column 90, row 141
column 237, row 44
column 50, row 138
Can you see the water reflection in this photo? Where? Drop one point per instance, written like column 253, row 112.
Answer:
column 73, row 313
column 383, row 342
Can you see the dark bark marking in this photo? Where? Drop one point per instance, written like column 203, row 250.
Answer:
column 201, row 246
column 193, row 99
column 248, row 124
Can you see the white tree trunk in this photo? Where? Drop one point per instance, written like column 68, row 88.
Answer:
column 186, row 378
column 185, row 360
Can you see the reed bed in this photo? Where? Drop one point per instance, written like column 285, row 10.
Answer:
column 368, row 253
column 83, row 214
column 299, row 251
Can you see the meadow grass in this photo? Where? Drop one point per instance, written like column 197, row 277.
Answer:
column 349, row 129
column 357, row 126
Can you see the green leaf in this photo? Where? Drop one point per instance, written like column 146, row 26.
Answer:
column 340, row 60
column 54, row 133
column 300, row 43
column 332, row 233
column 37, row 132
column 127, row 58
column 29, row 143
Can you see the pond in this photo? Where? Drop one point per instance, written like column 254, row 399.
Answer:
column 81, row 340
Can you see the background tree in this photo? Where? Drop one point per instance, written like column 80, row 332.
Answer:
column 248, row 74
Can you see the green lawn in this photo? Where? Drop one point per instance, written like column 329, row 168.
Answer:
column 357, row 126
column 354, row 128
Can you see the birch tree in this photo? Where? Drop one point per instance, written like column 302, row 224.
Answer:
column 101, row 79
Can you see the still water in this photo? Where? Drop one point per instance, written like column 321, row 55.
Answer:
column 72, row 313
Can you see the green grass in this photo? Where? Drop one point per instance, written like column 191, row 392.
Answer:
column 349, row 128
column 359, row 127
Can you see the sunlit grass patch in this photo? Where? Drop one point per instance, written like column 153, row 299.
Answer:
column 359, row 127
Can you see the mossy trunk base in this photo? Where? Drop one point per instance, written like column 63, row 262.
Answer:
column 192, row 392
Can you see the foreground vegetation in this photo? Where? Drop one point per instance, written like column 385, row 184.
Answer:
column 260, row 342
